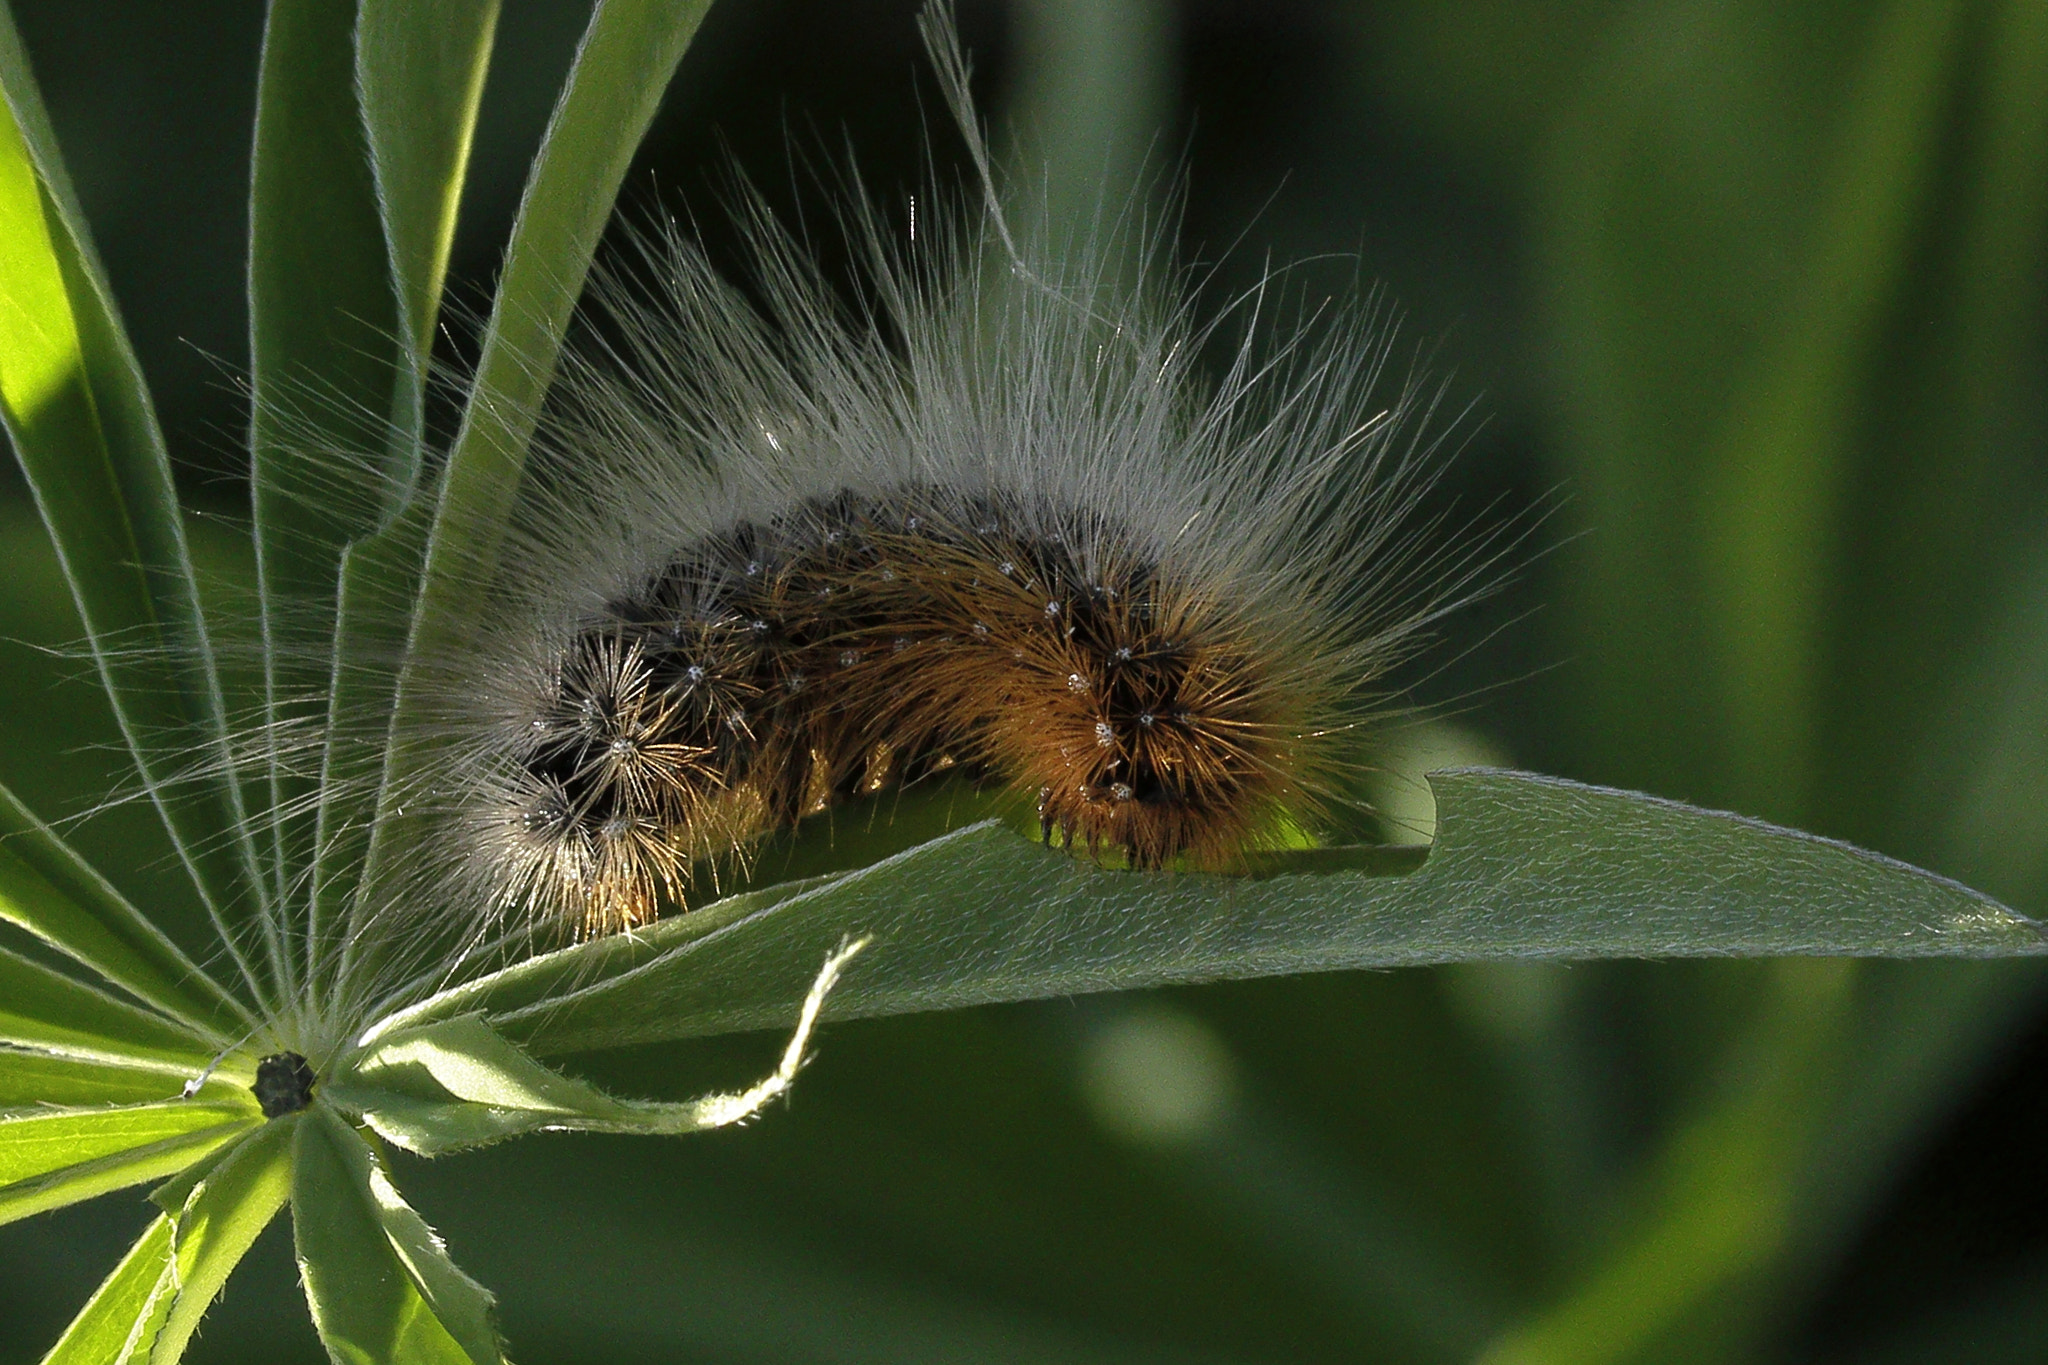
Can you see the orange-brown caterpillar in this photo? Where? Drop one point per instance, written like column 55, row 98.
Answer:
column 858, row 641
column 1001, row 522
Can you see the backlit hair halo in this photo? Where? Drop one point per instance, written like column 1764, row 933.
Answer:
column 997, row 520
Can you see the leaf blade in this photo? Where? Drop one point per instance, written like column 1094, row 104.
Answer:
column 329, row 368
column 56, row 1157
column 420, row 72
column 31, row 1078
column 1718, row 1193
column 457, row 1083
column 622, row 69
column 1771, row 504
column 52, row 893
column 47, row 1011
column 217, row 1224
column 1525, row 867
column 119, row 1323
column 378, row 1280
column 79, row 416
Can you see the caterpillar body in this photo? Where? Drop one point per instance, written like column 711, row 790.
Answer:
column 857, row 640
column 779, row 550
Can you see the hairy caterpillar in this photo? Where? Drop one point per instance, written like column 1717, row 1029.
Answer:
column 782, row 550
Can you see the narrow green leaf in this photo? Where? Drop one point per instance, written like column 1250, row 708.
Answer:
column 420, row 68
column 596, row 960
column 1928, row 623
column 456, row 1083
column 1924, row 1037
column 48, row 1011
column 621, row 71
column 1999, row 828
column 379, row 1281
column 419, row 75
column 38, row 1142
column 80, row 420
column 330, row 369
column 219, row 1222
column 1523, row 867
column 326, row 349
column 172, row 1195
column 28, row 1079
column 1092, row 86
column 120, row 1322
column 379, row 575
column 62, row 1156
column 54, row 894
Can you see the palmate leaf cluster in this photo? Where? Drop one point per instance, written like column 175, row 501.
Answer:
column 130, row 1039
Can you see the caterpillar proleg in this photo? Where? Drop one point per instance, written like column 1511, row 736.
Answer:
column 997, row 520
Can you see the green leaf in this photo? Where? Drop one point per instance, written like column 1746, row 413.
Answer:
column 330, row 372
column 326, row 349
column 28, row 1079
column 597, row 959
column 456, row 1083
column 379, row 1281
column 54, row 894
column 62, row 1156
column 1741, row 238
column 419, row 74
column 379, row 575
column 120, row 1322
column 48, row 1011
column 1523, row 867
column 420, row 68
column 621, row 71
column 1924, row 1037
column 1918, row 622
column 219, row 1221
column 1999, row 828
column 81, row 423
column 147, row 1309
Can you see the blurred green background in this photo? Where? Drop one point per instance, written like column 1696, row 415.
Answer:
column 1753, row 290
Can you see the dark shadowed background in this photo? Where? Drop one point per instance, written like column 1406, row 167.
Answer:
column 1750, row 291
